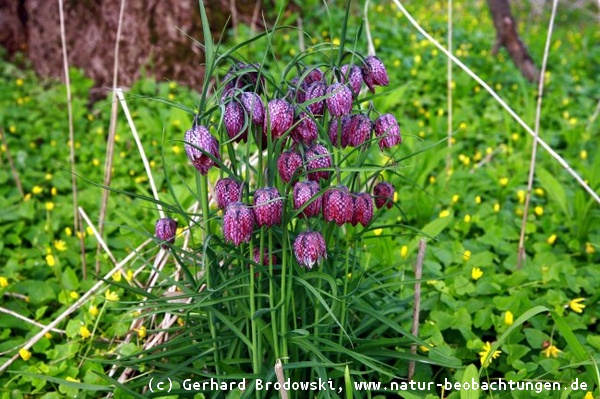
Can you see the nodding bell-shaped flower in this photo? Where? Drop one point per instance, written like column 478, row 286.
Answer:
column 314, row 91
column 384, row 195
column 279, row 118
column 352, row 75
column 345, row 130
column 309, row 249
column 287, row 164
column 238, row 223
column 339, row 99
column 374, row 73
column 227, row 190
column 165, row 230
column 253, row 105
column 317, row 157
column 198, row 143
column 306, row 130
column 338, row 205
column 360, row 130
column 363, row 209
column 305, row 191
column 388, row 131
column 268, row 207
column 234, row 119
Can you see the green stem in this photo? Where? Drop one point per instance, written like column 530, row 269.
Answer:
column 272, row 295
column 206, row 234
column 254, row 349
column 344, row 295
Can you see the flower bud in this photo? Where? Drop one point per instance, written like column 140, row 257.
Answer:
column 165, row 230
column 374, row 73
column 197, row 140
column 384, row 195
column 388, row 131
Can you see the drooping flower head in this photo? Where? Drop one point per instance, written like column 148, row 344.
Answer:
column 360, row 130
column 304, row 192
column 363, row 209
column 199, row 142
column 317, row 157
column 253, row 105
column 279, row 118
column 287, row 164
column 165, row 230
column 315, row 91
column 306, row 130
column 384, row 195
column 268, row 207
column 227, row 190
column 338, row 205
column 339, row 99
column 234, row 119
column 238, row 223
column 388, row 131
column 344, row 129
column 309, row 249
column 374, row 73
column 352, row 75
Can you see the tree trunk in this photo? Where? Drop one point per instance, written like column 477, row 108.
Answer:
column 507, row 36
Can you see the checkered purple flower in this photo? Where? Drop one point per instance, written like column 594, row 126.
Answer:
column 310, row 249
column 238, row 223
column 198, row 143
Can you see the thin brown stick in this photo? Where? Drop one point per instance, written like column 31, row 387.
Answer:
column 283, row 393
column 25, row 319
column 449, row 79
column 76, row 219
column 253, row 23
column 417, row 302
column 538, row 117
column 110, row 141
column 11, row 163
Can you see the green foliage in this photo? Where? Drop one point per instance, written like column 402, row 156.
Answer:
column 349, row 320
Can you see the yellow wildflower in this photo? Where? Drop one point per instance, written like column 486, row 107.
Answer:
column 445, row 213
column 49, row 206
column 68, row 231
column 48, row 176
column 89, row 231
column 50, row 260
column 116, row 276
column 583, row 154
column 496, row 207
column 129, row 275
column 431, row 179
column 503, row 181
column 12, row 129
column 467, row 218
column 466, row 255
column 3, row 282
column 539, row 192
column 60, row 245
column 551, row 350
column 588, row 395
column 377, row 232
column 19, row 82
column 84, row 332
column 476, row 273
column 111, row 296
column 589, row 248
column 538, row 210
column 478, row 200
column 25, row 354
column 48, row 335
column 508, row 318
column 141, row 332
column 552, row 239
column 521, row 196
column 53, row 191
column 576, row 305
column 74, row 294
column 403, row 251
column 36, row 190
column 486, row 355
column 423, row 348
column 69, row 378
column 455, row 198
column 176, row 149
column 93, row 310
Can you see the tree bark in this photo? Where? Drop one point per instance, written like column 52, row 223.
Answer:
column 508, row 37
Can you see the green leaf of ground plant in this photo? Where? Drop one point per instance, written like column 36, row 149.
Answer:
column 470, row 375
